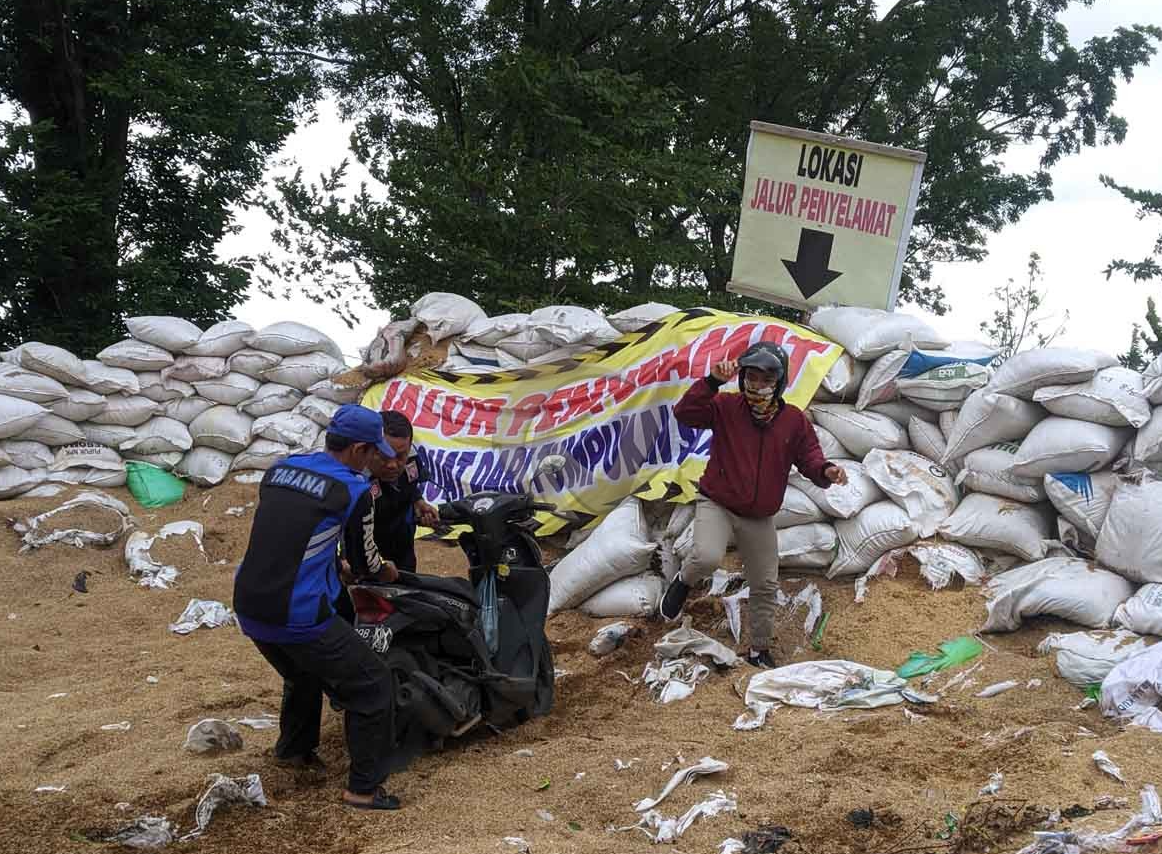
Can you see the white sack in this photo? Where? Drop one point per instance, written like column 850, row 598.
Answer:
column 1142, row 612
column 989, row 470
column 318, row 410
column 868, row 333
column 16, row 481
column 813, row 546
column 1084, row 658
column 188, row 409
column 90, row 477
column 159, row 436
column 28, row 385
column 167, row 460
column 28, row 455
column 135, row 356
column 106, row 379
column 1133, row 690
column 18, row 415
column 1130, row 542
column 944, row 389
column 947, row 421
column 336, row 392
column 987, row 522
column 522, row 347
column 903, row 411
column 863, row 540
column 288, row 428
column 1066, row 587
column 1113, row 397
column 825, row 685
column 619, row 547
column 55, row 362
column 830, row 446
column 859, row 432
column 841, row 502
column 446, row 315
column 221, row 340
column 636, row 596
column 928, row 441
column 1067, row 445
column 222, row 427
column 162, row 391
column 565, row 325
column 109, row 435
column 126, row 410
column 987, row 418
column 205, row 466
column 1083, row 499
column 288, row 338
column 1152, row 382
column 845, row 378
column 252, row 362
column 260, row 456
column 633, row 319
column 270, row 398
column 923, row 489
column 192, row 369
column 490, row 331
column 1030, row 370
column 797, row 509
column 304, row 371
column 80, row 405
column 879, row 384
column 1148, row 442
column 85, row 455
column 230, row 389
column 54, row 431
column 168, row 333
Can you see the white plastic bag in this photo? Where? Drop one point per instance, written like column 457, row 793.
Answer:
column 1084, row 658
column 28, row 385
column 303, row 371
column 860, row 432
column 159, row 436
column 126, row 411
column 989, row 470
column 633, row 319
column 192, row 369
column 921, row 487
column 18, row 415
column 863, row 540
column 270, row 398
column 1133, row 690
column 80, row 405
column 868, row 333
column 988, row 418
column 620, row 547
column 260, row 456
column 288, row 338
column 636, row 596
column 230, row 389
column 252, row 362
column 55, row 362
column 1113, row 397
column 1070, row 588
column 944, row 389
column 205, row 466
column 1068, row 445
column 1130, row 541
column 841, row 502
column 106, row 379
column 150, row 572
column 54, row 431
column 1083, row 499
column 812, row 546
column 135, row 356
column 987, row 522
column 168, row 333
column 565, row 325
column 1142, row 612
column 222, row 427
column 797, row 509
column 1030, row 370
column 222, row 339
column 446, row 315
column 289, row 428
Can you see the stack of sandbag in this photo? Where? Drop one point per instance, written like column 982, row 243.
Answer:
column 171, row 395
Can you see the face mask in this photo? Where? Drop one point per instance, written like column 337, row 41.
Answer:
column 761, row 393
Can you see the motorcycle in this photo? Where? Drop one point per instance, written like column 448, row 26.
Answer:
column 467, row 652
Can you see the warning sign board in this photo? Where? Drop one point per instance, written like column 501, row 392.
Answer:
column 824, row 219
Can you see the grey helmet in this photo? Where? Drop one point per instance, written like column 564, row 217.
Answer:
column 765, row 356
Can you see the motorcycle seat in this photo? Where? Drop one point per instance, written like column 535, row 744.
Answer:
column 451, row 586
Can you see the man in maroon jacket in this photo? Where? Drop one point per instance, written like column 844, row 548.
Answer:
column 758, row 436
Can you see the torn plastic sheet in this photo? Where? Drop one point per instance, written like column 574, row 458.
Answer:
column 609, row 638
column 1107, row 765
column 705, row 765
column 756, row 717
column 149, row 831
column 809, row 596
column 202, row 612
column 1092, row 842
column 37, row 533
column 267, row 721
column 674, row 679
column 939, row 564
column 662, row 830
column 825, row 685
column 143, row 567
column 721, row 581
column 225, row 790
column 687, row 641
column 210, row 735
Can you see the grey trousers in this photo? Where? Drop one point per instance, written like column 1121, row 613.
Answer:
column 757, row 541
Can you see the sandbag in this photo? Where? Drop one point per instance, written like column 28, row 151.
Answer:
column 192, row 369
column 160, row 435
column 633, row 319
column 229, row 389
column 222, row 427
column 336, row 392
column 946, row 422
column 988, row 418
column 490, row 331
column 879, row 383
column 566, row 325
column 1148, row 442
column 188, row 409
column 1084, row 658
column 28, row 385
column 109, row 435
column 1130, row 542
column 86, row 455
column 987, row 522
column 126, row 410
column 1030, row 370
column 445, row 315
column 476, row 355
column 288, row 338
column 166, row 461
column 860, row 432
column 260, row 456
column 221, row 340
column 619, row 547
column 1152, row 382
column 205, row 466
column 135, row 355
column 1142, row 612
column 304, row 371
column 831, row 447
column 903, row 411
column 106, row 379
column 27, row 455
column 297, row 431
column 79, row 404
column 812, row 546
column 318, row 410
column 868, row 333
column 845, row 379
column 1133, row 690
column 989, row 470
column 946, row 388
column 797, row 509
column 1113, row 397
column 270, row 398
column 1083, row 499
column 921, row 487
column 54, row 431
column 1066, row 587
column 16, row 481
column 841, row 502
column 89, row 477
column 161, row 390
column 522, row 347
column 18, row 415
column 252, row 362
column 875, row 531
column 636, row 596
column 55, row 362
column 1066, row 444
column 928, row 441
column 168, row 333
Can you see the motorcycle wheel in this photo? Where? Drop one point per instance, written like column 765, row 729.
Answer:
column 545, row 684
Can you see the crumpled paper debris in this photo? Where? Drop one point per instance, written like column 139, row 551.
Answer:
column 705, row 765
column 202, row 612
column 210, row 735
column 149, row 831
column 37, row 534
column 225, row 790
column 143, row 567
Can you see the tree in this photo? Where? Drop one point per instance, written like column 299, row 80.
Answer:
column 594, row 152
column 137, row 126
column 1016, row 325
column 1143, row 348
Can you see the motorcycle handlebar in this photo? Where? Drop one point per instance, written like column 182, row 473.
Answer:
column 541, row 505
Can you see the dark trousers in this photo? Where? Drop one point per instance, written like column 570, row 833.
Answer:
column 342, row 666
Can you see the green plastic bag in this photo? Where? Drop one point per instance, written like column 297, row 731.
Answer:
column 151, row 486
column 952, row 652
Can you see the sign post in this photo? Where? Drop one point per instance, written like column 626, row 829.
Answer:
column 825, row 219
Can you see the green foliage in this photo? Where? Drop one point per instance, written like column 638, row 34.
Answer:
column 539, row 151
column 1016, row 325
column 1144, row 345
column 137, row 127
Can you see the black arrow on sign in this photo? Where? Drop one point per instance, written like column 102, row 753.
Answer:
column 809, row 269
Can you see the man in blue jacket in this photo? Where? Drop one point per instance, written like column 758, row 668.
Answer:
column 285, row 591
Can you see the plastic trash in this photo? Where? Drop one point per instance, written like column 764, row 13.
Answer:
column 706, row 765
column 38, row 531
column 250, row 477
column 826, row 685
column 1093, row 842
column 673, row 679
column 1133, row 690
column 151, row 486
column 609, row 638
column 212, row 735
column 143, row 567
column 995, row 784
column 149, row 831
column 120, row 726
column 998, row 688
column 225, row 790
column 519, row 843
column 663, row 830
column 619, row 765
column 45, row 790
column 202, row 612
column 267, row 721
column 1107, row 765
column 489, row 611
column 685, row 640
column 952, row 652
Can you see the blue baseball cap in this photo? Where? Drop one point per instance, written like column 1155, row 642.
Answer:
column 360, row 424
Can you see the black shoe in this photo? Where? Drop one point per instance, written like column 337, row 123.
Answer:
column 760, row 658
column 675, row 598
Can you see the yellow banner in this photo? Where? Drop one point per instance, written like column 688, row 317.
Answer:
column 608, row 411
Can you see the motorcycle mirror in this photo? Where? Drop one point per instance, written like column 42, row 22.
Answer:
column 552, row 464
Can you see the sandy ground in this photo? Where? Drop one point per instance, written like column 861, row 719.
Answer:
column 806, row 771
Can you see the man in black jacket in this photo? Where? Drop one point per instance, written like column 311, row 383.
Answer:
column 395, row 486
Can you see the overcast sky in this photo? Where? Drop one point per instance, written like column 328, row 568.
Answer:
column 1076, row 234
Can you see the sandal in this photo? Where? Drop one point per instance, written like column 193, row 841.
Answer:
column 381, row 801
